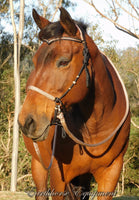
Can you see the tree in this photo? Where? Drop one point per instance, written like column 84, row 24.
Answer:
column 116, row 8
column 17, row 47
column 96, row 34
column 130, row 73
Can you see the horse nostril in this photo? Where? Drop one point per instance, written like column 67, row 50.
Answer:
column 29, row 122
column 29, row 126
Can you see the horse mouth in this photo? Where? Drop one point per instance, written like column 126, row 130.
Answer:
column 37, row 130
column 43, row 136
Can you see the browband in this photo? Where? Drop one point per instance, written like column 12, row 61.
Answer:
column 67, row 38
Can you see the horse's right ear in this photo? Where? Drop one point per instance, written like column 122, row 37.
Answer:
column 40, row 21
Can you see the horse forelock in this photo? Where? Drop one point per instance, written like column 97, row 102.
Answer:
column 55, row 29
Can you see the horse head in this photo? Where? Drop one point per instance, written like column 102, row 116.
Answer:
column 63, row 70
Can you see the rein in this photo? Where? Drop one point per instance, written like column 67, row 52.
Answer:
column 58, row 101
column 53, row 151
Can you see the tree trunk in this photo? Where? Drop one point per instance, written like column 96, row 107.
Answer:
column 118, row 188
column 17, row 46
column 123, row 180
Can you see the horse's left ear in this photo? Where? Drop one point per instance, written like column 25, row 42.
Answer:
column 40, row 21
column 67, row 22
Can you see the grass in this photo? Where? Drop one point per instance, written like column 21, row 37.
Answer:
column 126, row 198
column 14, row 196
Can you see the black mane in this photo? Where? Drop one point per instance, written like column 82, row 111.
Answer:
column 56, row 30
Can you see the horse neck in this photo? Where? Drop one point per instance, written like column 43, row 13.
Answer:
column 101, row 98
column 104, row 91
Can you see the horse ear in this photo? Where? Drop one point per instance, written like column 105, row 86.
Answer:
column 67, row 22
column 40, row 21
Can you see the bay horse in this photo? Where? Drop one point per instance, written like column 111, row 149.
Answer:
column 75, row 118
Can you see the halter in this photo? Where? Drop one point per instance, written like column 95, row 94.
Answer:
column 59, row 104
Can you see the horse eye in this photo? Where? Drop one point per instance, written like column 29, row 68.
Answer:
column 63, row 63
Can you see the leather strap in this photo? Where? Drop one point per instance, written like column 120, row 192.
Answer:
column 37, row 150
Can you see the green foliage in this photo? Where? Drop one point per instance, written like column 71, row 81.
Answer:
column 5, row 41
column 7, row 115
column 127, row 63
column 110, row 50
column 68, row 3
column 4, row 5
column 6, row 129
column 130, row 73
column 96, row 34
column 4, row 195
column 131, row 161
column 126, row 198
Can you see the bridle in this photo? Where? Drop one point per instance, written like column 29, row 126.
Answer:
column 59, row 104
column 58, row 100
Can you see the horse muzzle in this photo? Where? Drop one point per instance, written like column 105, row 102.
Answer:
column 37, row 130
